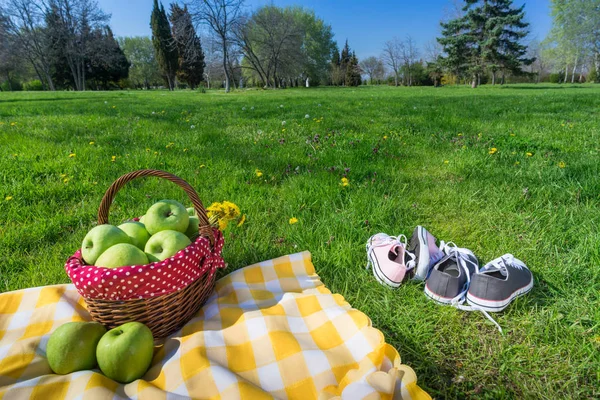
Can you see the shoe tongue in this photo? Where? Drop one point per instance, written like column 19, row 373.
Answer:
column 493, row 268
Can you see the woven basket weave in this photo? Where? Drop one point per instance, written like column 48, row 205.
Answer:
column 163, row 314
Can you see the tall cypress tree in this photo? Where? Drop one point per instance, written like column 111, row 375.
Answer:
column 353, row 77
column 164, row 44
column 344, row 61
column 191, row 57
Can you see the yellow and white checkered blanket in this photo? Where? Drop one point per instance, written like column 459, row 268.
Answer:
column 270, row 330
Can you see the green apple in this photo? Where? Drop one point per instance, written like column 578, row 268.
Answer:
column 192, row 227
column 121, row 255
column 191, row 211
column 166, row 215
column 125, row 353
column 72, row 347
column 142, row 219
column 137, row 233
column 165, row 244
column 100, row 238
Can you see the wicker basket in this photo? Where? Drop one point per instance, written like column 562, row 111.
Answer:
column 163, row 314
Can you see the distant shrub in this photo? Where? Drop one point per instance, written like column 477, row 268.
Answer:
column 449, row 79
column 34, row 86
column 11, row 86
column 593, row 76
column 556, row 77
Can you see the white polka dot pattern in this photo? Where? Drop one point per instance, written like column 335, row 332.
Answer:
column 169, row 276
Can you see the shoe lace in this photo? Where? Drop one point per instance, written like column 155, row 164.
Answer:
column 502, row 262
column 461, row 256
column 387, row 240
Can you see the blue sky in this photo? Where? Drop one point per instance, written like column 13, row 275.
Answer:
column 366, row 24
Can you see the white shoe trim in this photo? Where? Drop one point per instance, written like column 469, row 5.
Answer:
column 436, row 297
column 498, row 305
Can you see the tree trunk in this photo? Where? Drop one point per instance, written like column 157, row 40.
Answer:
column 478, row 80
column 574, row 68
column 493, row 78
column 566, row 73
column 225, row 69
column 538, row 77
column 503, row 76
column 474, row 82
column 396, row 79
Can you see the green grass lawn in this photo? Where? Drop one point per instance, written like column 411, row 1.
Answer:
column 411, row 155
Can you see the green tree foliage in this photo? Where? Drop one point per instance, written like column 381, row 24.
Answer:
column 486, row 38
column 164, row 44
column 107, row 62
column 191, row 57
column 144, row 71
column 574, row 39
column 285, row 46
column 353, row 71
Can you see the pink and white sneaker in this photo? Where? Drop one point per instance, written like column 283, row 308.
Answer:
column 392, row 264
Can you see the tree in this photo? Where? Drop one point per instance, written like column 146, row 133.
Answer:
column 164, row 44
column 392, row 56
column 107, row 62
column 70, row 23
column 26, row 25
column 409, row 54
column 191, row 57
column 284, row 46
column 373, row 67
column 345, row 56
column 144, row 71
column 488, row 36
column 353, row 71
column 9, row 61
column 221, row 16
column 574, row 38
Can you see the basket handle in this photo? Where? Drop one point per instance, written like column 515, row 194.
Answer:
column 204, row 227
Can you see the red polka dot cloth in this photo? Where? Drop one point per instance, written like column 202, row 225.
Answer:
column 146, row 281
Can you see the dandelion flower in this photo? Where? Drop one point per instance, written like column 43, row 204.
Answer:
column 493, row 150
column 63, row 175
column 517, row 162
column 184, row 150
column 258, row 173
column 202, row 166
column 92, row 143
column 13, row 123
column 385, row 137
column 446, row 161
column 156, row 153
column 66, row 180
column 345, row 181
column 528, row 154
column 113, row 158
column 72, row 155
column 562, row 164
column 8, row 198
column 242, row 220
column 293, row 220
column 223, row 224
column 114, row 106
column 94, row 183
column 307, row 116
column 512, row 134
column 282, row 123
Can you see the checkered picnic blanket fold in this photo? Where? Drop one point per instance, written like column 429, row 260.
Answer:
column 270, row 330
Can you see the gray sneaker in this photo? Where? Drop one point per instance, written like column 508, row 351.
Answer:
column 450, row 277
column 498, row 283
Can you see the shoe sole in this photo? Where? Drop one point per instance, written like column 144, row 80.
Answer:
column 498, row 305
column 380, row 276
column 437, row 298
column 423, row 267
